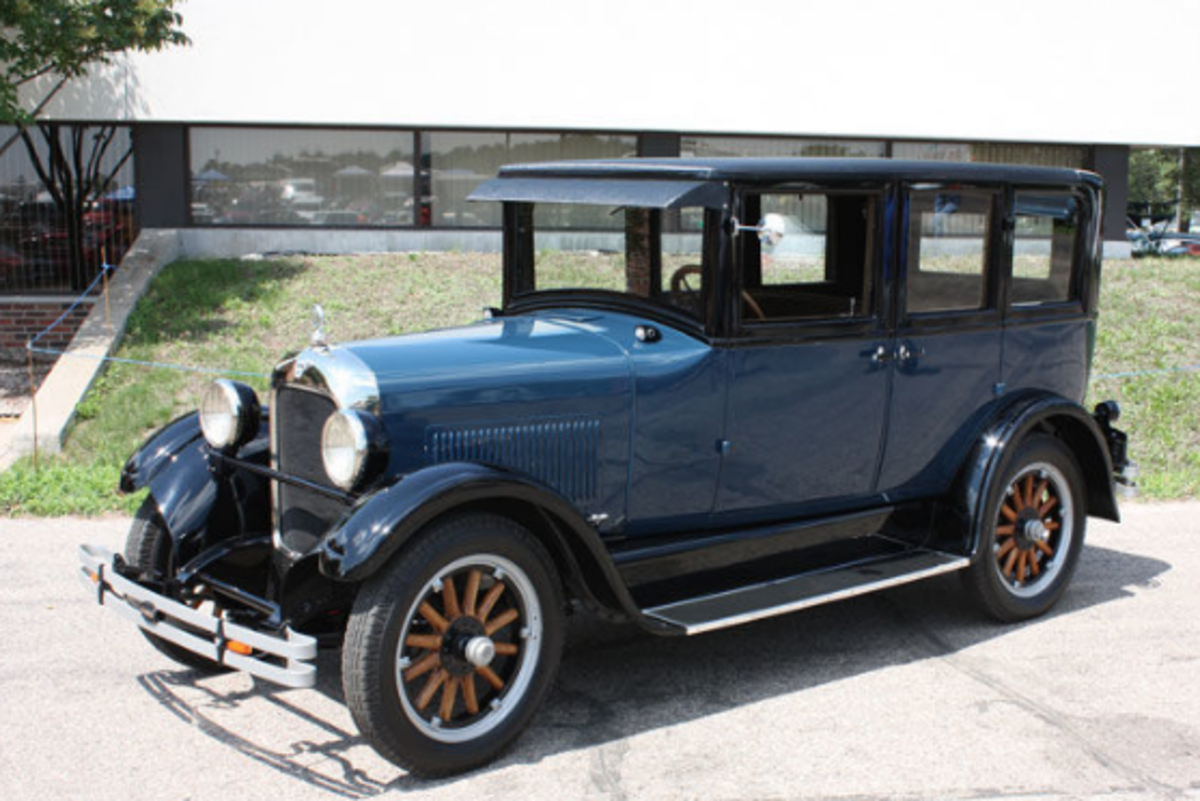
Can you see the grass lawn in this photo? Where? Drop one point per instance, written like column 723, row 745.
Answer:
column 244, row 316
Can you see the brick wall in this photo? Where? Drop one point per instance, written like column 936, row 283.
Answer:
column 22, row 320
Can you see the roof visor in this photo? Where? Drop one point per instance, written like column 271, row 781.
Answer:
column 605, row 192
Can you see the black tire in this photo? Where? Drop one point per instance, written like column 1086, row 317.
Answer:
column 388, row 684
column 149, row 549
column 1035, row 522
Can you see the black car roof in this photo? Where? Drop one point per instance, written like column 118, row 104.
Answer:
column 772, row 170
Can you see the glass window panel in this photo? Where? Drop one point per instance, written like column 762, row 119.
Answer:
column 300, row 176
column 800, row 256
column 768, row 146
column 458, row 162
column 1044, row 248
column 947, row 250
column 622, row 261
column 994, row 152
column 36, row 248
column 821, row 269
column 747, row 146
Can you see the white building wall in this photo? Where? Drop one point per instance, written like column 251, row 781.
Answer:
column 1087, row 71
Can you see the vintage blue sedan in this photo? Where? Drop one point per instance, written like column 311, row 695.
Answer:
column 733, row 389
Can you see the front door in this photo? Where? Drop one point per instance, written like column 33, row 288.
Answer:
column 947, row 368
column 808, row 370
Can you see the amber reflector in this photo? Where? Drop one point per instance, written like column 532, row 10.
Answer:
column 239, row 647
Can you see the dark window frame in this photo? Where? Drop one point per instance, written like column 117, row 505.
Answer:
column 1073, row 306
column 997, row 255
column 745, row 249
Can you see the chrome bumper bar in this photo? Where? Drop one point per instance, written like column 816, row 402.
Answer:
column 285, row 659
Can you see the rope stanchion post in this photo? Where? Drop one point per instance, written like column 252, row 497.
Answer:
column 33, row 406
column 107, row 306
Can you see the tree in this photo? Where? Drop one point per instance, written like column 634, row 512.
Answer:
column 56, row 41
column 1165, row 178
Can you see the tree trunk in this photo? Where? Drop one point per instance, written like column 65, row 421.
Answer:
column 74, row 175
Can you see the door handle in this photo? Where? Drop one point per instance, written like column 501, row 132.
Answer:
column 881, row 355
column 908, row 351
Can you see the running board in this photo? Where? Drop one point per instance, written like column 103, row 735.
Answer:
column 734, row 607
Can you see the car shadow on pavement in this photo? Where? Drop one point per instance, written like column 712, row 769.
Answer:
column 617, row 681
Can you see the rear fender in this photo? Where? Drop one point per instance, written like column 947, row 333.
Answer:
column 1022, row 416
column 366, row 539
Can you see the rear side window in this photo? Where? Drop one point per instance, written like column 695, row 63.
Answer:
column 1047, row 227
column 948, row 235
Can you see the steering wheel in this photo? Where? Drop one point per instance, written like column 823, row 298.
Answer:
column 683, row 295
column 679, row 281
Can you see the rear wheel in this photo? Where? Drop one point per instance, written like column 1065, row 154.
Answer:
column 451, row 649
column 1036, row 524
column 149, row 549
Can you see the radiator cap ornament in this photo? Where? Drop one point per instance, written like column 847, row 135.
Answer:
column 318, row 340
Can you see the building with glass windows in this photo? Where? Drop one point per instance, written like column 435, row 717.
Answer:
column 294, row 124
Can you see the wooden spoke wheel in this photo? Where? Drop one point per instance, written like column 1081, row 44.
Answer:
column 1033, row 527
column 1033, row 532
column 471, row 642
column 451, row 647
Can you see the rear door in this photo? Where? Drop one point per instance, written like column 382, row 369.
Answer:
column 948, row 336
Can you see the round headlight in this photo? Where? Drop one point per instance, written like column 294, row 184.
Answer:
column 228, row 413
column 344, row 448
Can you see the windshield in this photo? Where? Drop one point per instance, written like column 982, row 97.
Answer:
column 636, row 254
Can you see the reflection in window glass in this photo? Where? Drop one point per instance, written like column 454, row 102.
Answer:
column 747, row 146
column 800, row 256
column 88, row 164
column 1044, row 248
column 994, row 153
column 947, row 250
column 297, row 176
column 458, row 162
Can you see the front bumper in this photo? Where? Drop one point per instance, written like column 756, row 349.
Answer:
column 284, row 659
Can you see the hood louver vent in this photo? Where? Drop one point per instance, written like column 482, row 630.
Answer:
column 563, row 454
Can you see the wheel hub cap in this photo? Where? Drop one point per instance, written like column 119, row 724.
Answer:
column 480, row 651
column 1036, row 531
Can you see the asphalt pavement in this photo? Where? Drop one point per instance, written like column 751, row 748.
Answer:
column 901, row 695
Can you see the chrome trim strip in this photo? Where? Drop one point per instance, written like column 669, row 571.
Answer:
column 952, row 564
column 337, row 372
column 161, row 617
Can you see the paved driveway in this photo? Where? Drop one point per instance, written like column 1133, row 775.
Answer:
column 907, row 694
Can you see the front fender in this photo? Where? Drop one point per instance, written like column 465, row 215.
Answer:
column 363, row 541
column 1025, row 413
column 159, row 450
column 198, row 504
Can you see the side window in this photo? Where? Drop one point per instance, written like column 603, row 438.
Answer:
column 821, row 268
column 948, row 236
column 1044, row 249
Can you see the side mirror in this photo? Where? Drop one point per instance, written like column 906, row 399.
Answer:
column 770, row 228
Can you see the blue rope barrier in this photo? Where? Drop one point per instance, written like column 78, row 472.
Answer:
column 1187, row 368
column 139, row 363
column 105, row 269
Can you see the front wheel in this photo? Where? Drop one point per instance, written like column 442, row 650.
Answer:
column 149, row 550
column 1035, row 527
column 450, row 650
